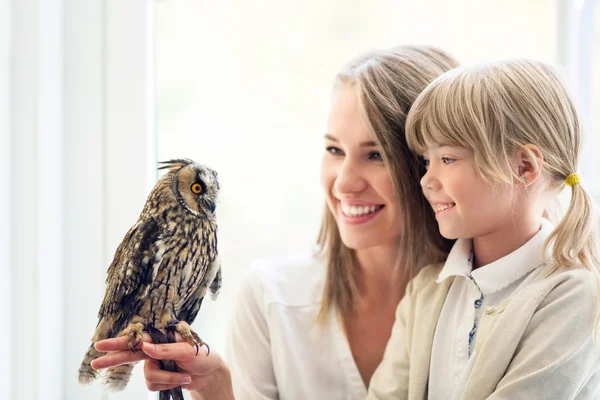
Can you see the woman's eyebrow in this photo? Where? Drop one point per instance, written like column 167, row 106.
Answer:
column 369, row 143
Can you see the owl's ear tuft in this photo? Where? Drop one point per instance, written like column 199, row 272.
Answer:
column 175, row 164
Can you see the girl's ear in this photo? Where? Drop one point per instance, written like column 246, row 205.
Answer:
column 530, row 163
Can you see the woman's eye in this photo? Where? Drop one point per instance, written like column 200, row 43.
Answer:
column 334, row 150
column 376, row 156
column 448, row 160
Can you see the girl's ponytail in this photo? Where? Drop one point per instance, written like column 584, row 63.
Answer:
column 574, row 241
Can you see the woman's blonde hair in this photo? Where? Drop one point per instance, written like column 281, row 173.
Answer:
column 387, row 82
column 496, row 110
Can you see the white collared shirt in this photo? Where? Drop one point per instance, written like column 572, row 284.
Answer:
column 473, row 293
column 276, row 350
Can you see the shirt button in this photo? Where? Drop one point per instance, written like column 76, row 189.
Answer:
column 460, row 346
column 489, row 310
column 456, row 379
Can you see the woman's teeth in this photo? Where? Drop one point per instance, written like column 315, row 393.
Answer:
column 357, row 211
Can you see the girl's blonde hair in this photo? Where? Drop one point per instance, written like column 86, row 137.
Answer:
column 387, row 83
column 496, row 110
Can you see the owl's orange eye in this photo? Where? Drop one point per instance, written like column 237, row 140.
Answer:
column 196, row 188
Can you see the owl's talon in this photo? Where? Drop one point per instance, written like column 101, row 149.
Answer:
column 135, row 339
column 132, row 346
column 134, row 333
column 187, row 334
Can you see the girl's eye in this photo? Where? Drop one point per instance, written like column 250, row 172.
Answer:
column 425, row 162
column 448, row 160
column 334, row 150
column 375, row 156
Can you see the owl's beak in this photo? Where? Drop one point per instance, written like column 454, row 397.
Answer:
column 212, row 206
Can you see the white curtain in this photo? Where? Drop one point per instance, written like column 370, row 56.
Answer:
column 577, row 51
column 77, row 160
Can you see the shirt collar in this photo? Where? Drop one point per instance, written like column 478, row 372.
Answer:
column 501, row 273
column 458, row 262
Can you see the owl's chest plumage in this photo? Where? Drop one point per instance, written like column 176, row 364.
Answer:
column 181, row 258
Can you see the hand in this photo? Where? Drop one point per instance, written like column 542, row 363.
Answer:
column 206, row 376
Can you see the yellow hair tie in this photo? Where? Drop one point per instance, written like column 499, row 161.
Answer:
column 573, row 180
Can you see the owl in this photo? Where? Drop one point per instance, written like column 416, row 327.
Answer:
column 162, row 269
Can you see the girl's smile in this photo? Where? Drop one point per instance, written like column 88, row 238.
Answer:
column 441, row 208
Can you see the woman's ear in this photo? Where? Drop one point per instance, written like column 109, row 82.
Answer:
column 530, row 163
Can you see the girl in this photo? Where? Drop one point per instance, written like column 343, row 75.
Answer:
column 512, row 312
column 315, row 326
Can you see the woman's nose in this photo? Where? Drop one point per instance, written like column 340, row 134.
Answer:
column 349, row 178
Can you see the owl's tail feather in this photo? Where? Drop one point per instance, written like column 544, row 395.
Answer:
column 86, row 373
column 117, row 378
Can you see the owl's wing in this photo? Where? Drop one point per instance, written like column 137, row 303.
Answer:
column 216, row 284
column 132, row 267
column 192, row 306
column 189, row 313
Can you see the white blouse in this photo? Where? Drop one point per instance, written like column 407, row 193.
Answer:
column 275, row 349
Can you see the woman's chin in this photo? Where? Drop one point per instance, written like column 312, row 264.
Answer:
column 361, row 241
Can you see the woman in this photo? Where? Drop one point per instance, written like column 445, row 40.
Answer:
column 316, row 326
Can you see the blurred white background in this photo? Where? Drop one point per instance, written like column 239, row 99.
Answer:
column 94, row 92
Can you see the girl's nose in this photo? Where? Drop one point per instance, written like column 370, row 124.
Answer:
column 429, row 181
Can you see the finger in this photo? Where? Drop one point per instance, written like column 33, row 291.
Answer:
column 185, row 356
column 155, row 387
column 155, row 375
column 118, row 343
column 181, row 351
column 118, row 358
column 198, row 383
